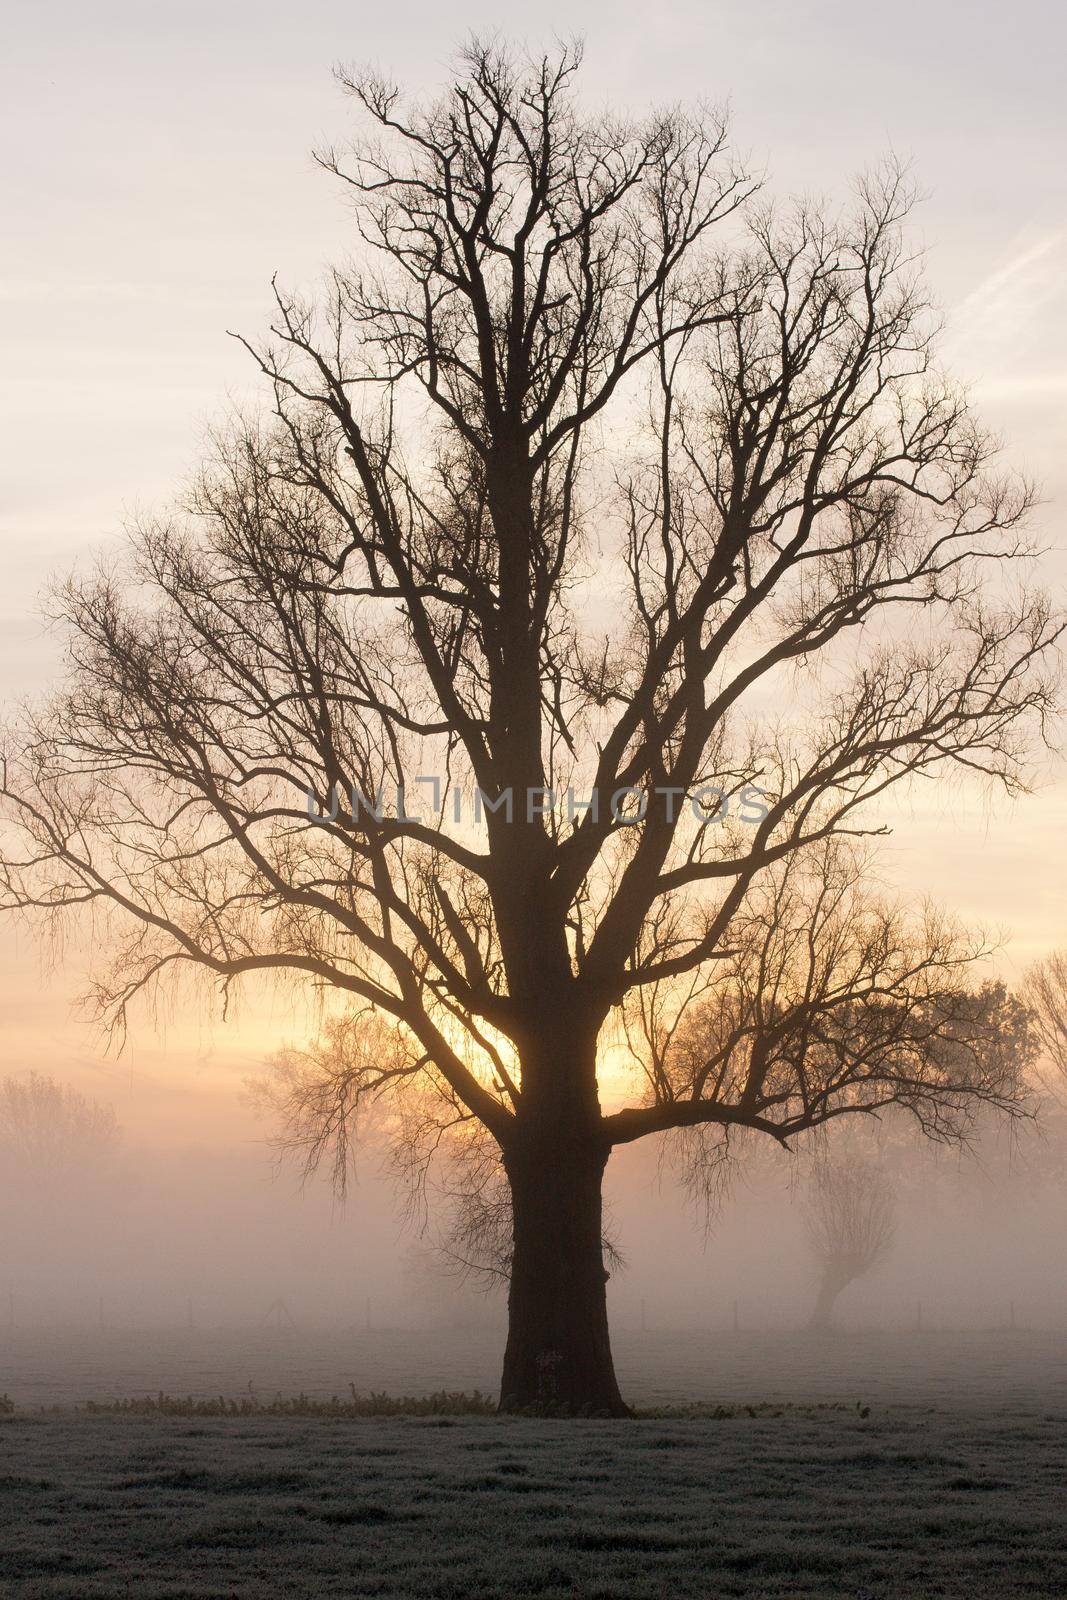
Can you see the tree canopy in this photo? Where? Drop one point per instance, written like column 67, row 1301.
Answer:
column 613, row 545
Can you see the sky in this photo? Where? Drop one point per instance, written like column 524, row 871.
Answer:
column 157, row 172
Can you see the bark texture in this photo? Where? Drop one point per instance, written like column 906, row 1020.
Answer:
column 558, row 1355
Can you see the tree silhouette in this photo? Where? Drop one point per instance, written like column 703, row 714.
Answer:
column 48, row 1129
column 587, row 466
column 851, row 1225
column 1045, row 992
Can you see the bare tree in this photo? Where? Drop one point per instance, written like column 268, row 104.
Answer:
column 850, row 1219
column 48, row 1128
column 834, row 1002
column 588, row 464
column 1045, row 992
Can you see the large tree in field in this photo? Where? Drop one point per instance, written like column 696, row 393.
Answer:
column 626, row 527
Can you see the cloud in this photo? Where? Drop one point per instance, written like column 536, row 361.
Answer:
column 1015, row 302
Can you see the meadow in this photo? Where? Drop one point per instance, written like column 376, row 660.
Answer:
column 1020, row 1369
column 863, row 1466
column 801, row 1503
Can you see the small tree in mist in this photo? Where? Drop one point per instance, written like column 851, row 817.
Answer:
column 850, row 1218
column 48, row 1129
column 589, row 464
column 1045, row 992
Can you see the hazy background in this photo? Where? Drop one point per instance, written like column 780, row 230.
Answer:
column 187, row 1236
column 156, row 173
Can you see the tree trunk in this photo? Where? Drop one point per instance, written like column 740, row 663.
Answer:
column 558, row 1356
column 833, row 1280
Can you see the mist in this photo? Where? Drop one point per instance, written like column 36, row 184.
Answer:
column 153, row 1235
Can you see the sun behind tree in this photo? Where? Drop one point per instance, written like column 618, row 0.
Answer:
column 590, row 466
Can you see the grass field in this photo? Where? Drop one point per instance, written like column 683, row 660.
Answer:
column 1020, row 1370
column 808, row 1503
column 866, row 1466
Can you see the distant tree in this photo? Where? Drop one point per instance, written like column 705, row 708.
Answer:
column 588, row 464
column 1045, row 992
column 850, row 1218
column 834, row 1002
column 48, row 1128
